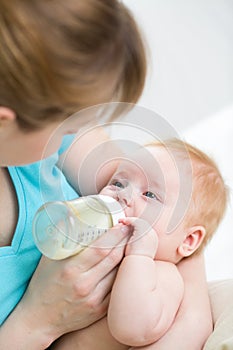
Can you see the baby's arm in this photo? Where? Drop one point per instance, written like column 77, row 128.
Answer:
column 146, row 294
column 193, row 323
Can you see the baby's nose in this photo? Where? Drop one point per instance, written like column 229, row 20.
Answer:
column 125, row 195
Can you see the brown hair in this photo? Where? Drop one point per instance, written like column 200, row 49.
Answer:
column 209, row 193
column 58, row 57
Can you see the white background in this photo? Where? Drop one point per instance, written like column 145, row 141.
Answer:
column 190, row 84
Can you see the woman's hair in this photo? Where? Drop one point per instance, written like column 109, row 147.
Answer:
column 60, row 56
column 209, row 193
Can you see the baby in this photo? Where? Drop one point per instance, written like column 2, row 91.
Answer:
column 173, row 197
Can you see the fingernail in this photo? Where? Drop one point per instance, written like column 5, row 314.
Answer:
column 124, row 229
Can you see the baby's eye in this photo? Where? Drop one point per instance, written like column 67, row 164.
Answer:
column 117, row 184
column 150, row 195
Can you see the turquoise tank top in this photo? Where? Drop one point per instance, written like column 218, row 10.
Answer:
column 34, row 184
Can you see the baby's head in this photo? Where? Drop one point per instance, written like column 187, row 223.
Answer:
column 60, row 56
column 203, row 183
column 177, row 189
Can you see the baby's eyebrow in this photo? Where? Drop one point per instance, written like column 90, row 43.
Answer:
column 117, row 175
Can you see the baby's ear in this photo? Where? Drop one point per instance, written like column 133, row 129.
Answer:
column 193, row 239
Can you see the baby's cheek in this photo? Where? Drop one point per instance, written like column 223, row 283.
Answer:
column 151, row 215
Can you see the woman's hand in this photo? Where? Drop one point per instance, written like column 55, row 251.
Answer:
column 66, row 295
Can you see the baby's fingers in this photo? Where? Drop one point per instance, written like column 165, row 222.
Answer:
column 139, row 225
column 144, row 240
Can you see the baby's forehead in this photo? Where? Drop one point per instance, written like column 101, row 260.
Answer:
column 148, row 156
column 156, row 161
column 148, row 160
column 142, row 158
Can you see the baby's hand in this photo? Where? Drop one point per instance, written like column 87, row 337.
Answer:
column 144, row 239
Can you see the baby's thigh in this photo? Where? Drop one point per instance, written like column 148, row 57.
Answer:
column 94, row 337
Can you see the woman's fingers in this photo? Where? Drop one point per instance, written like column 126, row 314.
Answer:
column 99, row 300
column 101, row 274
column 107, row 249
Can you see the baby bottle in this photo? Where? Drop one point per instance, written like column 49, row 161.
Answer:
column 64, row 228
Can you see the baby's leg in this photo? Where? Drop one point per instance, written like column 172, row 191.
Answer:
column 94, row 337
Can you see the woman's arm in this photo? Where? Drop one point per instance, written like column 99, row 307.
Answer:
column 94, row 337
column 146, row 293
column 193, row 323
